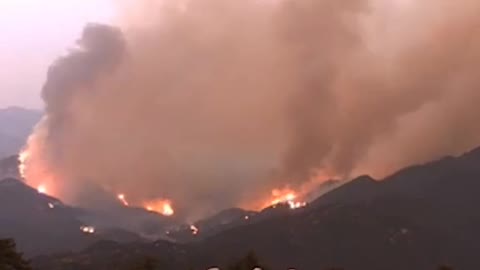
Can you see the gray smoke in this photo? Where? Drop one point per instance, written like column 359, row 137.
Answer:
column 214, row 103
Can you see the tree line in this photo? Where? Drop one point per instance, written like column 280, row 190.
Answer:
column 12, row 259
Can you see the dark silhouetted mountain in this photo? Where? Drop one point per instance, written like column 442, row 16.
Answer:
column 359, row 189
column 215, row 224
column 9, row 167
column 107, row 255
column 418, row 218
column 16, row 124
column 149, row 225
column 42, row 224
column 39, row 223
column 323, row 189
column 107, row 212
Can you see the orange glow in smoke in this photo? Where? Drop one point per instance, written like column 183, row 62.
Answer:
column 42, row 189
column 285, row 196
column 294, row 198
column 35, row 171
column 163, row 207
column 121, row 198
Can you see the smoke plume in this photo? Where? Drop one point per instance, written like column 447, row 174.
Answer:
column 213, row 103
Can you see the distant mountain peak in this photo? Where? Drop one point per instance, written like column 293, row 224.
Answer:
column 364, row 179
column 12, row 182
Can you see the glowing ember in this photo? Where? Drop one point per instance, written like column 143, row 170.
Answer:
column 42, row 189
column 88, row 229
column 122, row 198
column 163, row 207
column 194, row 229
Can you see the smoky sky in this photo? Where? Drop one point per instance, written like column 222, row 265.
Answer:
column 214, row 103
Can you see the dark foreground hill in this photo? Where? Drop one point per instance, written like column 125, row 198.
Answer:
column 418, row 218
column 41, row 224
column 37, row 221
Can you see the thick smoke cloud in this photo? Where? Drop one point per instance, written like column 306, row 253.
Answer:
column 214, row 103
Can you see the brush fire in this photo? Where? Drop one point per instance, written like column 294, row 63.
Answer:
column 42, row 189
column 163, row 207
column 208, row 131
column 122, row 199
column 87, row 229
column 285, row 196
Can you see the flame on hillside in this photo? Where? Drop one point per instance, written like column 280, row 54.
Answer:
column 122, row 199
column 293, row 197
column 42, row 189
column 22, row 159
column 163, row 207
column 33, row 168
column 285, row 196
column 37, row 179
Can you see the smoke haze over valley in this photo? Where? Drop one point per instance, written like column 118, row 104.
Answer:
column 317, row 133
column 217, row 103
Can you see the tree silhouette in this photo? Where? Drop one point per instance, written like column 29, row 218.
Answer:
column 10, row 259
column 249, row 262
column 147, row 263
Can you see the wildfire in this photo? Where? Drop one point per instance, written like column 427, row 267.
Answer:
column 35, row 170
column 42, row 189
column 88, row 229
column 121, row 198
column 194, row 229
column 163, row 207
column 286, row 196
column 22, row 159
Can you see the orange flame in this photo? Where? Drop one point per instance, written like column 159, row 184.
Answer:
column 294, row 198
column 121, row 198
column 35, row 170
column 285, row 196
column 163, row 207
column 42, row 189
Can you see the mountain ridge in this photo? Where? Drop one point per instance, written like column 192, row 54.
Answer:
column 417, row 218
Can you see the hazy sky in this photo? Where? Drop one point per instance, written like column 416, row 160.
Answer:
column 34, row 33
